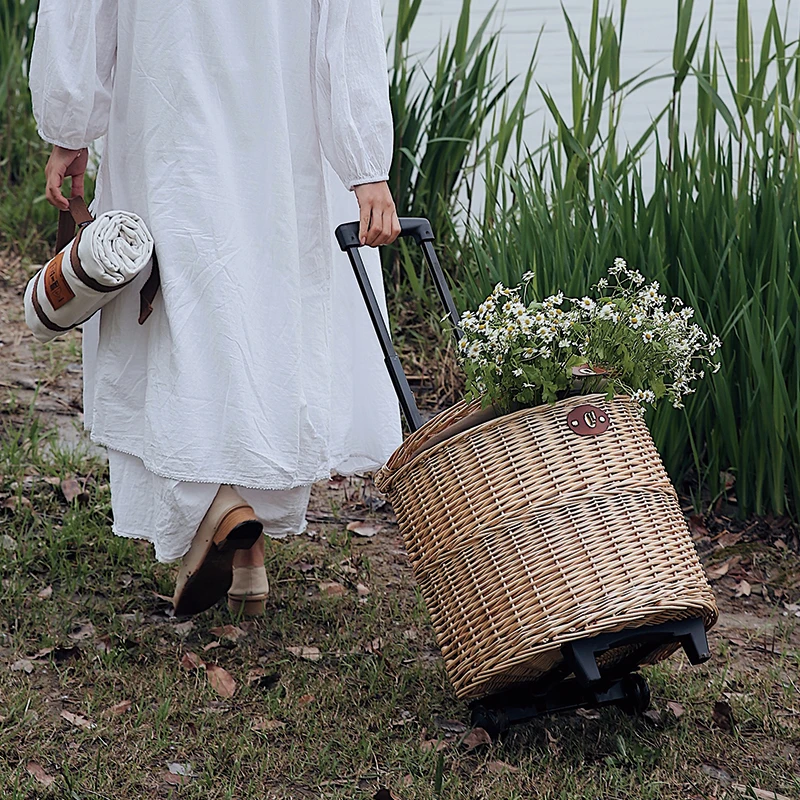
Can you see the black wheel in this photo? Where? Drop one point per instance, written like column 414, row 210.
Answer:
column 492, row 720
column 637, row 694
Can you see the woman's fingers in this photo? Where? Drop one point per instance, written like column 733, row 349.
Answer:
column 63, row 163
column 379, row 223
column 54, row 173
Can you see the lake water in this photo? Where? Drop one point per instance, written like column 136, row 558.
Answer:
column 647, row 42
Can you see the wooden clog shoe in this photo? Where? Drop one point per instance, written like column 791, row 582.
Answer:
column 206, row 570
column 249, row 590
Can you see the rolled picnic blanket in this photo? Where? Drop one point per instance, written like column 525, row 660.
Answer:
column 107, row 254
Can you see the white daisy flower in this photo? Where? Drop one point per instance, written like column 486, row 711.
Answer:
column 647, row 337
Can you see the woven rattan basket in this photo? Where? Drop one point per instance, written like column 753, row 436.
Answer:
column 524, row 534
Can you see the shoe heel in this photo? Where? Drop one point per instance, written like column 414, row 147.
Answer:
column 238, row 529
column 248, row 607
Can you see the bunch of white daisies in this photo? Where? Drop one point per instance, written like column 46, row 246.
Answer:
column 518, row 352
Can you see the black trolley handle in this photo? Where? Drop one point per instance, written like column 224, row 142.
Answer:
column 420, row 230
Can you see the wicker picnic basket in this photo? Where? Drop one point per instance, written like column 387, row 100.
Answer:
column 530, row 530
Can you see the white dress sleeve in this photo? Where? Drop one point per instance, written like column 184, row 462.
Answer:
column 72, row 68
column 352, row 89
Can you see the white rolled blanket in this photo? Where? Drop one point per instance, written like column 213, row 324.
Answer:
column 111, row 252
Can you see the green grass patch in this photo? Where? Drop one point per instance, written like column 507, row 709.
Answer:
column 94, row 695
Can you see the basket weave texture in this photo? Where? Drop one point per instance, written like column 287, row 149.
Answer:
column 524, row 535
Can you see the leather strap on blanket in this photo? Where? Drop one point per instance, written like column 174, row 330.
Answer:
column 79, row 215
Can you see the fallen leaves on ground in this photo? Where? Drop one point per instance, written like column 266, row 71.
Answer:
column 82, row 631
column 72, row 490
column 192, row 661
column 46, row 593
column 22, row 665
column 221, row 680
column 477, row 737
column 260, row 677
column 119, row 708
column 178, row 774
column 363, row 529
column 38, row 772
column 761, row 794
column 78, row 720
column 723, row 716
column 230, row 632
column 308, row 653
column 743, row 589
column 7, row 542
column 676, row 709
column 499, row 767
column 450, row 725
column 332, row 589
column 263, row 725
column 183, row 628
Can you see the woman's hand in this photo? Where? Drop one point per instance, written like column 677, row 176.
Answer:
column 379, row 222
column 61, row 164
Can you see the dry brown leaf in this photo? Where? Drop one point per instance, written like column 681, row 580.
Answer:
column 654, row 715
column 221, row 680
column 363, row 529
column 723, row 716
column 743, row 589
column 499, row 767
column 676, row 709
column 761, row 794
column 362, row 590
column 260, row 677
column 211, row 646
column 477, row 737
column 729, row 539
column 23, row 665
column 588, row 713
column 183, row 628
column 231, row 632
column 306, row 699
column 103, row 644
column 8, row 542
column 192, row 661
column 14, row 504
column 46, row 593
column 718, row 572
column 176, row 780
column 332, row 589
column 697, row 526
column 72, row 490
column 308, row 653
column 426, row 745
column 81, row 632
column 374, row 647
column 77, row 720
column 120, row 708
column 267, row 725
column 163, row 597
column 38, row 772
column 450, row 725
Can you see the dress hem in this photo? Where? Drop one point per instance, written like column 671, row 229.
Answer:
column 322, row 476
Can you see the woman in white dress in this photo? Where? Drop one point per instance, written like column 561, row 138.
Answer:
column 235, row 130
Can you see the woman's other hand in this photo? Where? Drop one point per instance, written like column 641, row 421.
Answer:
column 379, row 222
column 65, row 163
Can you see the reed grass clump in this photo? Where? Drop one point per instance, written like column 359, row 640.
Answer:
column 717, row 224
column 26, row 221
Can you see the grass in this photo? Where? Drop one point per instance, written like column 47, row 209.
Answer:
column 371, row 712
column 719, row 229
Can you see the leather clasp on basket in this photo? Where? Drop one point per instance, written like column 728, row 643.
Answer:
column 588, row 420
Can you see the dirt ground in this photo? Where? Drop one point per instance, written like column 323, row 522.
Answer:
column 753, row 564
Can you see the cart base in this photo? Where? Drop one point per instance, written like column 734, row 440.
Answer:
column 591, row 685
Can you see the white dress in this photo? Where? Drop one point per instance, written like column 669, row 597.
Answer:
column 258, row 366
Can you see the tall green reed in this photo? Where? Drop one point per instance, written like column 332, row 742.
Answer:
column 720, row 227
column 26, row 221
